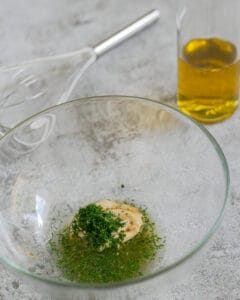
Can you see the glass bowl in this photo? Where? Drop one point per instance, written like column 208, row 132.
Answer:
column 111, row 147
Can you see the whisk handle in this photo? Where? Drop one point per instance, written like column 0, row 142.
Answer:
column 127, row 32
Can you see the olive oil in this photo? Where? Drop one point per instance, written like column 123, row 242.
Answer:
column 208, row 79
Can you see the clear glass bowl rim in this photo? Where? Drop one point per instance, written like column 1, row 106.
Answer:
column 166, row 269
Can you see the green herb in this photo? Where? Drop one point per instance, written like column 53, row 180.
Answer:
column 100, row 228
column 81, row 262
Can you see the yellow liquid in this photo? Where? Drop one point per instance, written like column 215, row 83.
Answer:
column 208, row 79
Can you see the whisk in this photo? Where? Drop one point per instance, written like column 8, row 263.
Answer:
column 35, row 85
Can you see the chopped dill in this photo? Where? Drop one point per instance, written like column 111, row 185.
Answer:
column 78, row 256
column 98, row 226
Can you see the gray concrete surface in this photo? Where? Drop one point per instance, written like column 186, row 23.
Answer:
column 144, row 66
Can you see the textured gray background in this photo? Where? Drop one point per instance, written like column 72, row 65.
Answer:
column 144, row 66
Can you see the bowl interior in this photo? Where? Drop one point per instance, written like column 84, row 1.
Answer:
column 112, row 147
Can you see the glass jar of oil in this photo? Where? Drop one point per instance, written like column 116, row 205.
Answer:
column 208, row 64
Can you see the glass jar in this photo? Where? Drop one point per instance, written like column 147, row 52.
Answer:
column 208, row 59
